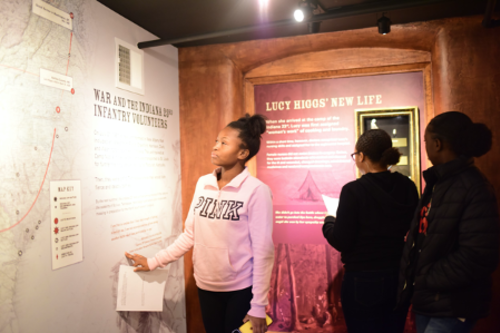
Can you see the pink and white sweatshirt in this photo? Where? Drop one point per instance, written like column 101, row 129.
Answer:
column 231, row 231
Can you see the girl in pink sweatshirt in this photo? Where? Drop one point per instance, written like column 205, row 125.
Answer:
column 229, row 224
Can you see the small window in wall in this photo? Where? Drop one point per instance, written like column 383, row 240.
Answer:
column 129, row 67
column 123, row 64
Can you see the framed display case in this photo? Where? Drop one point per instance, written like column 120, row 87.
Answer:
column 402, row 124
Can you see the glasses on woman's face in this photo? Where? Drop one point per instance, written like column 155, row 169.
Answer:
column 352, row 155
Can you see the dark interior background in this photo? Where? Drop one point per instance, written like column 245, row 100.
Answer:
column 182, row 18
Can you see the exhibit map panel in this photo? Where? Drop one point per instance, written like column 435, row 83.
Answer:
column 88, row 171
column 305, row 155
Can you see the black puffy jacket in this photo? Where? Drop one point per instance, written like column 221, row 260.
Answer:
column 453, row 272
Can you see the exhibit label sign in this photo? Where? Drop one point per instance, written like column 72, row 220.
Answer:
column 310, row 135
column 55, row 80
column 53, row 14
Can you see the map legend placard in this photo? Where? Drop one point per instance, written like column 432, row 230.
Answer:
column 66, row 223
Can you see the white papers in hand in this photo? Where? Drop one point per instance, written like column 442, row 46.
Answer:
column 331, row 205
column 140, row 291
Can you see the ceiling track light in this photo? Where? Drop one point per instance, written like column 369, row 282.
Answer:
column 384, row 25
column 305, row 9
column 488, row 21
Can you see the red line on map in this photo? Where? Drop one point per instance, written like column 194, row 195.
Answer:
column 69, row 52
column 19, row 69
column 41, row 186
column 67, row 66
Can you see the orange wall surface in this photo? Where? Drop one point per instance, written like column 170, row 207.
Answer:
column 459, row 58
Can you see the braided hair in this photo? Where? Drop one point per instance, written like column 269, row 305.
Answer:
column 465, row 138
column 251, row 129
column 376, row 144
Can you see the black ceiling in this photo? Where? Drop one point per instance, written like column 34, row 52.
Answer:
column 174, row 19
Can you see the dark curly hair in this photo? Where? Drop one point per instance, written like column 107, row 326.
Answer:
column 465, row 138
column 251, row 129
column 376, row 144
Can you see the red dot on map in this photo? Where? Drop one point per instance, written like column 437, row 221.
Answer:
column 58, row 109
column 73, row 91
column 71, row 15
column 56, row 220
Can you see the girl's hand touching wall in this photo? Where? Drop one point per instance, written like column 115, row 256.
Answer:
column 140, row 262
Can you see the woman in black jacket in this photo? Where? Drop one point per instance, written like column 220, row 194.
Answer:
column 452, row 246
column 373, row 217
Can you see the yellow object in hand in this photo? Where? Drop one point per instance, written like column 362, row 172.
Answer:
column 247, row 327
